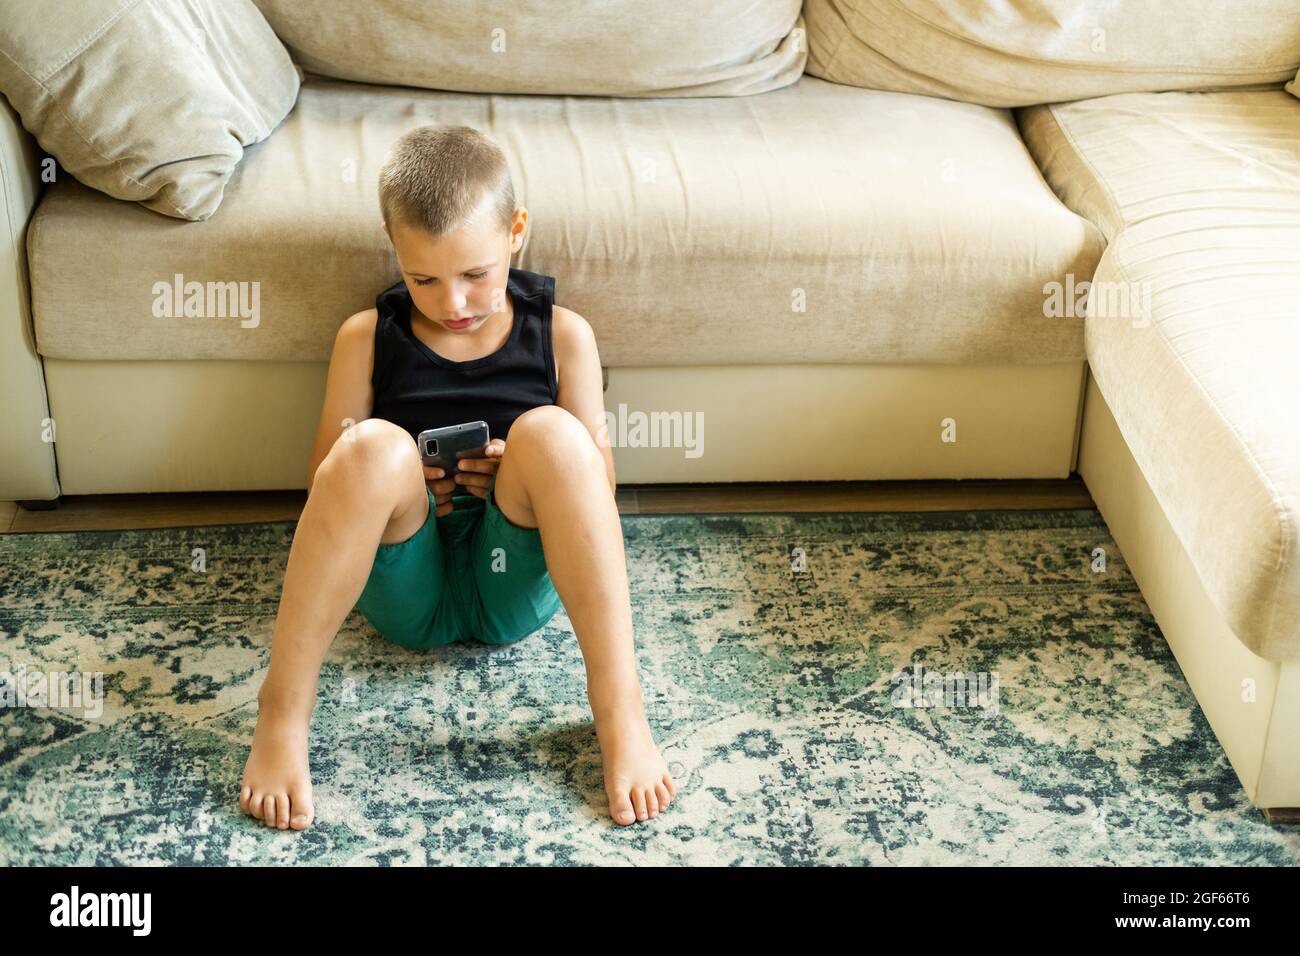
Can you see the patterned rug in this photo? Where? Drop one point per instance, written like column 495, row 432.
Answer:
column 956, row 688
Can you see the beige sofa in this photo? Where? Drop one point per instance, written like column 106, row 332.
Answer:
column 770, row 244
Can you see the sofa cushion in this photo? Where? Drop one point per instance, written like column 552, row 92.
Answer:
column 1045, row 51
column 816, row 223
column 1200, row 195
column 1294, row 86
column 585, row 47
column 152, row 102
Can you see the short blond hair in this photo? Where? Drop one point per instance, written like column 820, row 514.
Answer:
column 435, row 178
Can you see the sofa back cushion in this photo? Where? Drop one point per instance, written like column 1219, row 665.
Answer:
column 152, row 102
column 578, row 47
column 1048, row 51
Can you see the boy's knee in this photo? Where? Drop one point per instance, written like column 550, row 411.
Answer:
column 551, row 430
column 369, row 446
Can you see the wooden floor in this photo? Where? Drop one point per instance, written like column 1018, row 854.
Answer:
column 119, row 512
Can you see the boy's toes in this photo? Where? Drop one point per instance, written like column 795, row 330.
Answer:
column 244, row 793
column 638, row 803
column 282, row 811
column 651, row 803
column 268, row 809
column 300, row 808
column 664, row 798
column 620, row 806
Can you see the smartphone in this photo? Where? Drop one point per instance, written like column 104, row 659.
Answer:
column 444, row 447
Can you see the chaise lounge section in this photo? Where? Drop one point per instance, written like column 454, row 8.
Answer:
column 1190, row 429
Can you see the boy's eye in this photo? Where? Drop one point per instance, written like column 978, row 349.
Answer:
column 472, row 275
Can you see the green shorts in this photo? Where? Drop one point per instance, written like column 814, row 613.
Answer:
column 470, row 574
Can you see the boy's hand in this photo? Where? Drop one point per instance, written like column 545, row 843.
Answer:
column 442, row 488
column 476, row 473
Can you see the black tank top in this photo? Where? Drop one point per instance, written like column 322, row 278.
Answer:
column 417, row 388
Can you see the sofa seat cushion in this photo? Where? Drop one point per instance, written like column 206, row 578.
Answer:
column 1200, row 196
column 816, row 223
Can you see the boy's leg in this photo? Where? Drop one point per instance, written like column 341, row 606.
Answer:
column 553, row 478
column 369, row 490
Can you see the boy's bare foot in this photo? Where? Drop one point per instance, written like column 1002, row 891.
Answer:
column 637, row 781
column 277, row 778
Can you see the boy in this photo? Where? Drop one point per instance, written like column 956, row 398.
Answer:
column 463, row 337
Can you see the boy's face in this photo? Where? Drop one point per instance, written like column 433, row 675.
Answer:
column 461, row 276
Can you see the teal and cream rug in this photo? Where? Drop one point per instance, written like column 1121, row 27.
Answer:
column 960, row 688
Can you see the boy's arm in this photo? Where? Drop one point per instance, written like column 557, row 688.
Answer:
column 581, row 388
column 348, row 392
